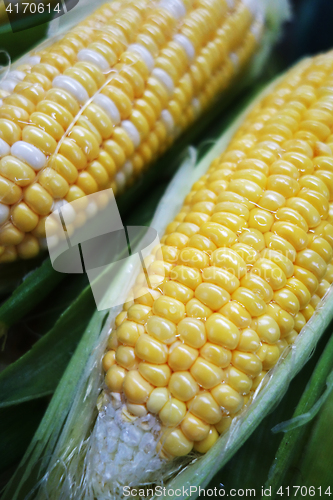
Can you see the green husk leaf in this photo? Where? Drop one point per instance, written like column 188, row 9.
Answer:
column 45, row 363
column 314, row 468
column 295, row 436
column 17, row 429
column 36, row 286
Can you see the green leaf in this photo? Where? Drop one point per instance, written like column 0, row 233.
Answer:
column 32, row 290
column 294, row 439
column 16, row 430
column 45, row 363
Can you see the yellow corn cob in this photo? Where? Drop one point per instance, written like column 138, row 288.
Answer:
column 92, row 110
column 238, row 273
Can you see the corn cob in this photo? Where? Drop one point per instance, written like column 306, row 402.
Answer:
column 93, row 109
column 238, row 274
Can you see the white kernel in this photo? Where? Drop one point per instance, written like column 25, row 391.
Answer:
column 128, row 169
column 33, row 60
column 4, row 148
column 67, row 211
column 120, row 180
column 4, row 213
column 166, row 80
column 109, row 107
column 186, row 44
column 29, row 154
column 9, row 84
column 143, row 53
column 234, row 59
column 132, row 132
column 168, row 121
column 72, row 86
column 94, row 57
column 175, row 7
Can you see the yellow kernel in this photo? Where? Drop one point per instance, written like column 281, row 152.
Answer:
column 284, row 320
column 220, row 235
column 176, row 444
column 290, row 215
column 205, row 407
column 220, row 277
column 287, row 300
column 188, row 276
column 139, row 313
column 254, row 305
column 169, row 308
column 271, row 357
column 322, row 248
column 136, row 388
column 192, row 332
column 128, row 332
column 317, row 200
column 247, row 362
column 205, row 444
column 182, row 356
column 150, row 350
column 229, row 220
column 114, row 378
column 157, row 399
column 211, row 295
column 201, row 243
column 279, row 259
column 271, row 201
column 246, row 252
column 258, row 286
column 253, row 238
column 178, row 291
column 183, row 386
column 216, row 354
column 275, row 242
column 293, row 234
column 227, row 398
column 270, row 272
column 109, row 359
column 24, row 218
column 195, row 309
column 178, row 240
column 193, row 257
column 161, row 329
column 38, row 199
column 172, row 412
column 17, row 171
column 260, row 220
column 306, row 210
column 223, row 425
column 236, row 313
column 157, row 375
column 194, row 428
column 229, row 260
column 238, row 380
column 206, row 374
column 312, row 261
column 221, row 331
column 267, row 329
column 247, row 188
column 249, row 341
column 125, row 357
column 54, row 183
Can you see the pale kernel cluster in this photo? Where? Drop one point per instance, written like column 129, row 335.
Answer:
column 239, row 271
column 92, row 110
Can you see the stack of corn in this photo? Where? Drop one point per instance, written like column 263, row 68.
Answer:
column 238, row 274
column 92, row 110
